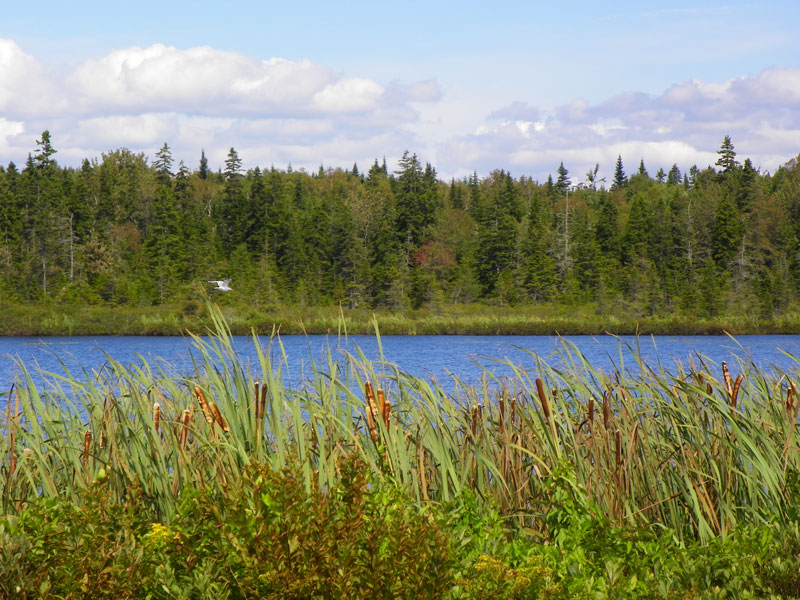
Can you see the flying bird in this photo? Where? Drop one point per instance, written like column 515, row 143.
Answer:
column 222, row 286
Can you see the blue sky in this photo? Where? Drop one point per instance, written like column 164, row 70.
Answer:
column 469, row 86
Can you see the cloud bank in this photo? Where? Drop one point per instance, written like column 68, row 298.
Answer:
column 280, row 112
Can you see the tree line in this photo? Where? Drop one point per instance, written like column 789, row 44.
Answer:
column 127, row 230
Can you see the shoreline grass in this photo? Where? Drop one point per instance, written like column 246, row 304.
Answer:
column 565, row 483
column 41, row 320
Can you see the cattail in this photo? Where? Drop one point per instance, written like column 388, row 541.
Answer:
column 380, row 400
column 475, row 418
column 606, row 408
column 789, row 406
column 372, row 412
column 156, row 416
column 103, row 441
column 618, row 448
column 727, row 377
column 735, row 391
column 260, row 399
column 591, row 410
column 502, row 415
column 87, row 440
column 185, row 420
column 543, row 398
column 201, row 398
column 218, row 417
column 709, row 389
column 385, row 408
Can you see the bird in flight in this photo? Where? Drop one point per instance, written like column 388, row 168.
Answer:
column 222, row 286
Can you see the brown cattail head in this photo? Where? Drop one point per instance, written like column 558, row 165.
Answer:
column 381, row 401
column 263, row 405
column 87, row 440
column 103, row 441
column 201, row 398
column 789, row 406
column 618, row 447
column 185, row 420
column 543, row 398
column 156, row 416
column 475, row 418
column 502, row 415
column 591, row 410
column 727, row 377
column 735, row 391
column 386, row 408
column 372, row 412
column 368, row 392
column 606, row 408
column 218, row 417
column 709, row 389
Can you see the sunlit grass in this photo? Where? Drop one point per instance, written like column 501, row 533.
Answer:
column 696, row 451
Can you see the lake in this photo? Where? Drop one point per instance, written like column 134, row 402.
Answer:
column 426, row 356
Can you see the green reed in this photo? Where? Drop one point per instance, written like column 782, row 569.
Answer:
column 697, row 451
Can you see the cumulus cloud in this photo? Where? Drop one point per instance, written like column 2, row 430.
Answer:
column 279, row 111
column 198, row 98
column 683, row 125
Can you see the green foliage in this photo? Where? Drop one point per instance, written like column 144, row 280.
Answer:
column 121, row 232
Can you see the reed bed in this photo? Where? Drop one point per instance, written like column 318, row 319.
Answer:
column 696, row 451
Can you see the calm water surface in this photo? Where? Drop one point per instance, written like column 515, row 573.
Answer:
column 426, row 356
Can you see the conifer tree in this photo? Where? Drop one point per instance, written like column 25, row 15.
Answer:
column 620, row 179
column 727, row 156
column 563, row 182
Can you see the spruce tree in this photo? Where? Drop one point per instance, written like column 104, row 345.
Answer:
column 620, row 179
column 563, row 182
column 203, row 169
column 727, row 156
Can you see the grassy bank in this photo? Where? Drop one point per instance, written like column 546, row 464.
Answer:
column 367, row 482
column 40, row 320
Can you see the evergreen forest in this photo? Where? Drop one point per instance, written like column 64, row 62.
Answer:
column 127, row 230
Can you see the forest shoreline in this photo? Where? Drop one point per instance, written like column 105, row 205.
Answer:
column 59, row 320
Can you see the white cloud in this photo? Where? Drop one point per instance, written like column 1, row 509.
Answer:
column 278, row 111
column 684, row 125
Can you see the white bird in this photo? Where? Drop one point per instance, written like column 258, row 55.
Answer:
column 222, row 286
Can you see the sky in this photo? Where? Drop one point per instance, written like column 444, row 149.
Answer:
column 468, row 86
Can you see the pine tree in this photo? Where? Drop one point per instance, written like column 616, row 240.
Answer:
column 642, row 169
column 727, row 156
column 563, row 182
column 203, row 169
column 163, row 163
column 674, row 176
column 620, row 179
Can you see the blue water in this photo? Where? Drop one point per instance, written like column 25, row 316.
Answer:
column 426, row 356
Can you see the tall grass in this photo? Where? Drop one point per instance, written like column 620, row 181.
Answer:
column 697, row 451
